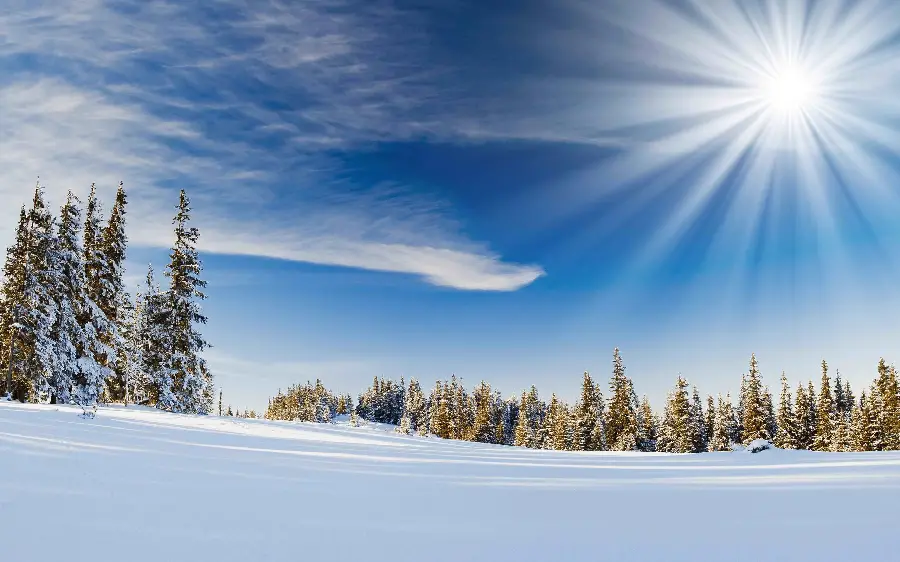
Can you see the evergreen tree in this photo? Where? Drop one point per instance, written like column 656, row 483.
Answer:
column 440, row 411
column 676, row 434
column 79, row 322
column 416, row 410
column 785, row 436
column 648, row 427
column 484, row 430
column 111, row 289
column 191, row 389
column 709, row 421
column 699, row 437
column 153, row 336
column 586, row 416
column 755, row 411
column 824, row 413
column 556, row 423
column 15, row 347
column 884, row 400
column 621, row 424
column 39, row 316
column 865, row 421
column 725, row 432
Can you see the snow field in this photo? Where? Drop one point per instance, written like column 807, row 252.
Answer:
column 137, row 484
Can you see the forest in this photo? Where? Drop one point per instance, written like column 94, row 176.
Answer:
column 70, row 333
column 827, row 418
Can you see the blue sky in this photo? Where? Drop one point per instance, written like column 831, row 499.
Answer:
column 502, row 190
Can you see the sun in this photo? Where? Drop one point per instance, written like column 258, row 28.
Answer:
column 790, row 89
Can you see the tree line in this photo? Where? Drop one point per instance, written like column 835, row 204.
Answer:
column 827, row 418
column 70, row 333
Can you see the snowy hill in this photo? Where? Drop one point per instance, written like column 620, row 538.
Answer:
column 136, row 484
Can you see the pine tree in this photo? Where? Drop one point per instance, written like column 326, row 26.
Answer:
column 586, row 418
column 726, row 432
column 864, row 423
column 785, row 436
column 556, row 424
column 75, row 332
column 100, row 296
column 14, row 308
column 154, row 344
column 754, row 408
column 416, row 408
column 621, row 424
column 440, row 411
column 824, row 414
column 39, row 307
column 220, row 403
column 709, row 421
column 884, row 400
column 111, row 289
column 676, row 434
column 699, row 437
column 648, row 427
column 484, row 430
column 191, row 389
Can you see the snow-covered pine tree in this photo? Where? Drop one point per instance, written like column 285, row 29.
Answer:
column 825, row 412
column 884, row 400
column 440, row 410
column 95, row 267
column 416, row 408
column 75, row 333
column 709, row 420
column 756, row 413
column 111, row 289
column 484, row 430
column 676, row 434
column 785, row 436
column 191, row 390
column 864, row 423
column 722, row 430
column 40, row 312
column 621, row 419
column 154, row 336
column 699, row 437
column 555, row 425
column 12, row 298
column 804, row 431
column 586, row 416
column 648, row 427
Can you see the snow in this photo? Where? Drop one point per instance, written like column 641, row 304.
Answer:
column 137, row 484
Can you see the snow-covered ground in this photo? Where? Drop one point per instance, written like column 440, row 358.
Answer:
column 135, row 484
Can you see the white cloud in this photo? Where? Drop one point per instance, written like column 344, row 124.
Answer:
column 72, row 136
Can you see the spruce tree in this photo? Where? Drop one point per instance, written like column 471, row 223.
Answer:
column 755, row 412
column 824, row 413
column 112, row 298
column 709, row 420
column 76, row 328
column 864, row 423
column 586, row 417
column 725, row 430
column 153, row 334
column 648, row 427
column 699, row 437
column 676, row 434
column 621, row 420
column 14, row 309
column 483, row 430
column 556, row 423
column 191, row 389
column 785, row 436
column 884, row 400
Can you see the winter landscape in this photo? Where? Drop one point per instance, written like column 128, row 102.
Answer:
column 138, row 484
column 450, row 280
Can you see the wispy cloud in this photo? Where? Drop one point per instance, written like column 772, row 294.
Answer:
column 244, row 104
